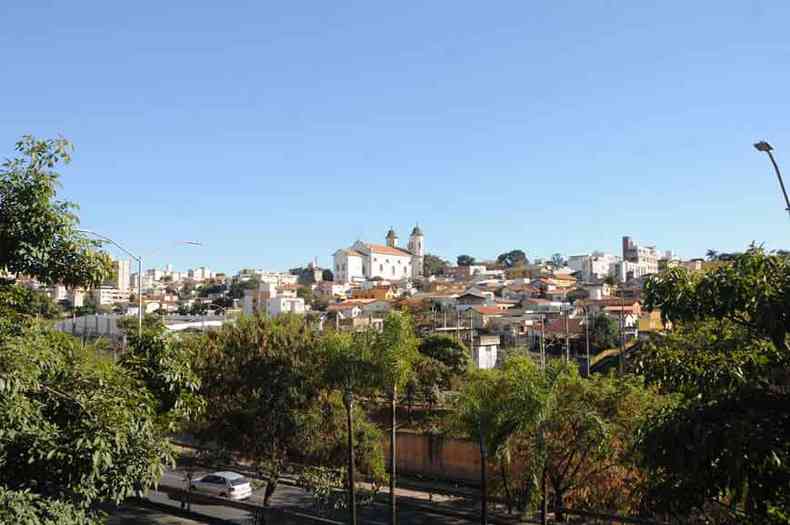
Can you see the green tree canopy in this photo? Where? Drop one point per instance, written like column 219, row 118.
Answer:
column 604, row 332
column 260, row 376
column 465, row 260
column 38, row 233
column 74, row 429
column 433, row 265
column 512, row 258
column 723, row 450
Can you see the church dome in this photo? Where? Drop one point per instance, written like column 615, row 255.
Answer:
column 391, row 234
column 416, row 231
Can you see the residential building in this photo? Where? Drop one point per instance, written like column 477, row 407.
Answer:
column 595, row 266
column 273, row 299
column 375, row 292
column 365, row 261
column 199, row 274
column 109, row 295
column 638, row 260
column 122, row 275
column 481, row 316
column 282, row 304
column 485, row 348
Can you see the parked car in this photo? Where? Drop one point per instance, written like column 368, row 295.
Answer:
column 229, row 485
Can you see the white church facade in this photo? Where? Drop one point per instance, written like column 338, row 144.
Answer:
column 364, row 261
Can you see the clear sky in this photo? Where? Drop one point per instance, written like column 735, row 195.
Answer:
column 275, row 132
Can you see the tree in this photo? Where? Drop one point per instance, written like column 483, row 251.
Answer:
column 604, row 332
column 492, row 406
column 18, row 301
column 396, row 354
column 433, row 265
column 327, row 275
column 259, row 376
column 350, row 367
column 38, row 234
column 449, row 352
column 465, row 260
column 164, row 366
column 306, row 293
column 728, row 363
column 198, row 308
column 587, row 438
column 75, row 429
column 237, row 288
column 558, row 261
column 712, row 255
column 512, row 258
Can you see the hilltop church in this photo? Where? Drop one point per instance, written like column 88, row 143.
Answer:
column 364, row 261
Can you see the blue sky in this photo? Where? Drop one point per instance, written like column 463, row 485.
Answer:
column 277, row 132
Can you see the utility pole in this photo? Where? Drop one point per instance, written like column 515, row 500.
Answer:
column 543, row 342
column 621, row 361
column 767, row 148
column 567, row 339
column 587, row 338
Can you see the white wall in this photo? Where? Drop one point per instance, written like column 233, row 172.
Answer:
column 387, row 266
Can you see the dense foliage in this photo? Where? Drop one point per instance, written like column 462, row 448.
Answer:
column 75, row 428
column 722, row 453
column 38, row 234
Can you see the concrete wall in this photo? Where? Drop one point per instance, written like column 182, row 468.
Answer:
column 437, row 457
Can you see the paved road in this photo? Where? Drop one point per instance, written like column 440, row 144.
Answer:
column 412, row 510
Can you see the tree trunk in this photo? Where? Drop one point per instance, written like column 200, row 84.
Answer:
column 352, row 500
column 393, row 439
column 543, row 502
column 559, row 515
column 483, row 480
column 506, row 485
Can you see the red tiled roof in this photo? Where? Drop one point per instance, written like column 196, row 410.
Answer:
column 387, row 250
column 557, row 326
column 345, row 305
column 488, row 310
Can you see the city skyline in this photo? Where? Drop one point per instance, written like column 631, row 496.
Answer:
column 273, row 134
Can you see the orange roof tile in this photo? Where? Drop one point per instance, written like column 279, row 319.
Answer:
column 388, row 250
column 488, row 310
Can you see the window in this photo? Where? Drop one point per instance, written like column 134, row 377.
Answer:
column 381, row 267
column 393, row 270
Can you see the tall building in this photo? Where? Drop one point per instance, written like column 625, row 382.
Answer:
column 638, row 261
column 594, row 266
column 122, row 270
column 363, row 261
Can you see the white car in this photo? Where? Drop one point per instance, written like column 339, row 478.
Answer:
column 223, row 484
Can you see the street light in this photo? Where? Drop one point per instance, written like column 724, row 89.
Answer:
column 766, row 148
column 139, row 271
column 139, row 276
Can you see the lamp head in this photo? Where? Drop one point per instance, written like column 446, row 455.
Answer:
column 763, row 146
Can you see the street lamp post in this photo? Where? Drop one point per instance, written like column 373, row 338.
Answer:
column 766, row 148
column 139, row 276
column 587, row 337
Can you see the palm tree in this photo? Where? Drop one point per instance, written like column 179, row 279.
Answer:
column 396, row 355
column 711, row 255
column 350, row 368
column 493, row 405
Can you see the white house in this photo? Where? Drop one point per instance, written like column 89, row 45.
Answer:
column 273, row 299
column 365, row 261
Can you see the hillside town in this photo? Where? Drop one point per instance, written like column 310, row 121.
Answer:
column 379, row 263
column 490, row 305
